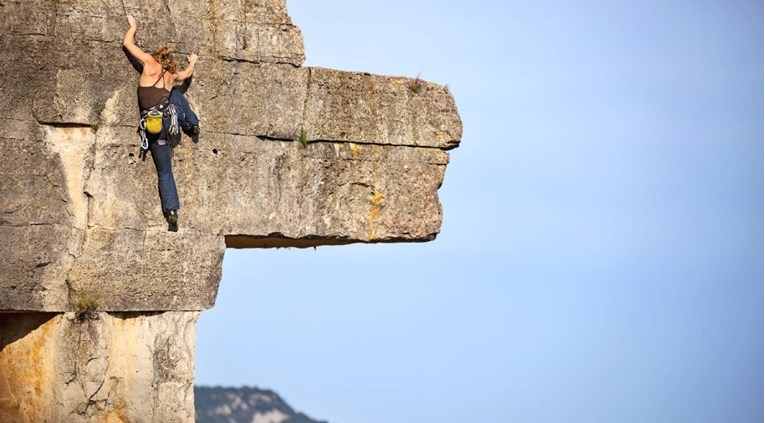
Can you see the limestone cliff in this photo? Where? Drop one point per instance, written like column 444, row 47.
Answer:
column 80, row 215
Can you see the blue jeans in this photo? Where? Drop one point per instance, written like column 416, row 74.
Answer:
column 186, row 117
column 161, row 154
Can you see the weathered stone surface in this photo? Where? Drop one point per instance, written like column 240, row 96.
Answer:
column 32, row 188
column 35, row 265
column 247, row 182
column 348, row 106
column 108, row 238
column 120, row 367
column 80, row 215
column 252, row 99
column 147, row 270
column 235, row 184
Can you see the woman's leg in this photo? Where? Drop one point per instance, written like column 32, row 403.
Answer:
column 187, row 118
column 161, row 154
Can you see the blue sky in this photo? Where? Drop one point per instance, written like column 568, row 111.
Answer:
column 601, row 257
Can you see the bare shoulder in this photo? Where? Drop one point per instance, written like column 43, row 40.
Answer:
column 152, row 67
column 151, row 71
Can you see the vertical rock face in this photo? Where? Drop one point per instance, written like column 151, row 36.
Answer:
column 112, row 367
column 80, row 215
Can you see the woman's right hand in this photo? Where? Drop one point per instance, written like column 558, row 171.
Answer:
column 131, row 21
column 193, row 59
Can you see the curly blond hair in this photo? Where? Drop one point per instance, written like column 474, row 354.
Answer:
column 164, row 55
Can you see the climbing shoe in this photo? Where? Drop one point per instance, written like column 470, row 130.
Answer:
column 194, row 133
column 191, row 130
column 172, row 221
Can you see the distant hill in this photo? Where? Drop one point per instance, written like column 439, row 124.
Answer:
column 244, row 405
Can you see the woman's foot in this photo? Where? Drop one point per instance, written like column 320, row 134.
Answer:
column 194, row 133
column 172, row 221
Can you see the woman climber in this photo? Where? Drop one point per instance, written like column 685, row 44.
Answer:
column 158, row 100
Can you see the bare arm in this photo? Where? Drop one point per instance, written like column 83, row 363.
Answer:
column 186, row 73
column 129, row 43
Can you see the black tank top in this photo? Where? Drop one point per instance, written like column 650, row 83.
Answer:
column 149, row 97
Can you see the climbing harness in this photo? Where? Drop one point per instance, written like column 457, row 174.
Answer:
column 151, row 123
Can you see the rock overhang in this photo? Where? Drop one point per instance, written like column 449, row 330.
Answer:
column 81, row 215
